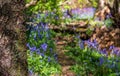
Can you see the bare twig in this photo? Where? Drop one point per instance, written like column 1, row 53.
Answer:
column 32, row 3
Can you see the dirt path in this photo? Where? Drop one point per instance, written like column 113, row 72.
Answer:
column 64, row 60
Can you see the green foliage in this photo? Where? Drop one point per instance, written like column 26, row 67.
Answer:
column 89, row 61
column 108, row 22
column 94, row 3
column 41, row 66
column 89, row 31
column 45, row 7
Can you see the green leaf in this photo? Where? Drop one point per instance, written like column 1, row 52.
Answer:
column 109, row 22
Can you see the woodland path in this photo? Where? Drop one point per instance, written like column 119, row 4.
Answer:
column 64, row 60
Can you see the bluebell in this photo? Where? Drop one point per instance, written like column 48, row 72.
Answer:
column 101, row 59
column 49, row 59
column 44, row 46
column 33, row 48
column 81, row 44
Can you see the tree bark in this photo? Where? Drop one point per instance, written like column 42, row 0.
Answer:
column 115, row 7
column 13, row 54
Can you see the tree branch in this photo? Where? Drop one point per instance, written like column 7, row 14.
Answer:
column 32, row 3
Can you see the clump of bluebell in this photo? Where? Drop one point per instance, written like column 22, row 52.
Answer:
column 71, row 15
column 40, row 39
column 42, row 58
column 84, row 13
column 112, row 51
column 108, row 60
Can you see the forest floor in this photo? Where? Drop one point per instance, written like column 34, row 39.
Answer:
column 105, row 37
column 64, row 60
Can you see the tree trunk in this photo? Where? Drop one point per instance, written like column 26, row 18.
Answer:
column 113, row 5
column 116, row 14
column 12, row 39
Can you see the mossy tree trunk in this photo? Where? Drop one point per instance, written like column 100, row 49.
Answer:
column 12, row 39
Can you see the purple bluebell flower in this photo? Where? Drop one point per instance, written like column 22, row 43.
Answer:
column 55, row 56
column 30, row 72
column 44, row 46
column 83, row 13
column 47, row 14
column 118, row 53
column 39, row 30
column 46, row 27
column 111, row 47
column 101, row 59
column 52, row 13
column 93, row 44
column 65, row 13
column 74, row 11
column 42, row 54
column 49, row 59
column 36, row 27
column 39, row 35
column 108, row 16
column 38, row 16
column 35, row 37
column 56, row 17
column 47, row 35
column 88, row 43
column 32, row 48
column 104, row 51
column 68, row 16
column 94, row 41
column 38, row 51
column 81, row 44
column 78, row 36
column 51, row 50
column 28, row 45
column 42, row 25
column 115, row 51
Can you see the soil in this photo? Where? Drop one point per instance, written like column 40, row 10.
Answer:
column 64, row 60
